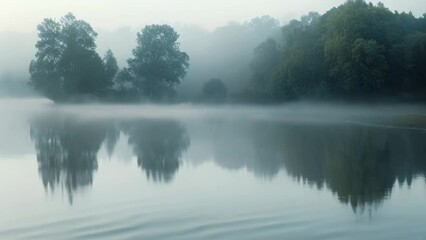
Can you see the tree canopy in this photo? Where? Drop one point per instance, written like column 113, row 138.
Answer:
column 67, row 64
column 352, row 51
column 355, row 50
column 158, row 64
column 214, row 91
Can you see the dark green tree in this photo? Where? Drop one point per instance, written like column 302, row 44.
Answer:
column 158, row 63
column 125, row 81
column 81, row 67
column 355, row 50
column 111, row 67
column 67, row 64
column 266, row 58
column 377, row 27
column 45, row 75
column 214, row 91
column 415, row 59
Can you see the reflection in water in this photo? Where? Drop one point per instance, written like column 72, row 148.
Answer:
column 67, row 151
column 158, row 145
column 358, row 164
column 112, row 136
column 67, row 148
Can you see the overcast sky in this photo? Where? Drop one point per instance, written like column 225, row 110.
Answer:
column 24, row 15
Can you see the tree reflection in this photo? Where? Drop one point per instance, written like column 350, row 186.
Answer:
column 358, row 164
column 67, row 151
column 158, row 145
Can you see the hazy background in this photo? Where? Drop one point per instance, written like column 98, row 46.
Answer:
column 215, row 34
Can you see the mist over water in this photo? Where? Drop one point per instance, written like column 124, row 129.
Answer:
column 212, row 119
column 268, row 171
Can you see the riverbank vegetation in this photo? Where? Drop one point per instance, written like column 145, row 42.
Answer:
column 354, row 51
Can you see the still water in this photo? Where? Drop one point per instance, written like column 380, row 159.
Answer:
column 194, row 172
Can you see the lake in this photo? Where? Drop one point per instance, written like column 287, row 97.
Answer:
column 295, row 171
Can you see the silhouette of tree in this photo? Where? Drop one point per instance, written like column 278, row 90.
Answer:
column 67, row 64
column 214, row 91
column 158, row 63
column 111, row 67
column 45, row 74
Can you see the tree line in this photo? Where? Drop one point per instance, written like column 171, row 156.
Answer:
column 354, row 51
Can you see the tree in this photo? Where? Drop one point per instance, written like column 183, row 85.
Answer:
column 415, row 55
column 125, row 80
column 369, row 64
column 266, row 26
column 345, row 28
column 158, row 63
column 45, row 75
column 81, row 66
column 67, row 64
column 266, row 58
column 111, row 67
column 303, row 65
column 214, row 91
column 126, row 87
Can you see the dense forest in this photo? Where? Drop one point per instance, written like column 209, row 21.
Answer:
column 355, row 51
column 352, row 51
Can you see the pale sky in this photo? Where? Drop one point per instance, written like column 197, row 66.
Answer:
column 24, row 15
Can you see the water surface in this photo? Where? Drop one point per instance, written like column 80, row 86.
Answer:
column 295, row 171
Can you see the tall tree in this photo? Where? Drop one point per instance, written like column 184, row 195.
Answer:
column 111, row 67
column 158, row 63
column 45, row 75
column 81, row 65
column 266, row 58
column 67, row 63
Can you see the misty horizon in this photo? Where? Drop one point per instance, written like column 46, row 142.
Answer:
column 200, row 40
column 216, row 120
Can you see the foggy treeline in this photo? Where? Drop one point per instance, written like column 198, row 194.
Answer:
column 356, row 50
column 353, row 51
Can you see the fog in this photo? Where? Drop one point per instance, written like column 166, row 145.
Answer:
column 212, row 53
column 24, row 15
column 402, row 116
column 219, row 37
column 183, row 119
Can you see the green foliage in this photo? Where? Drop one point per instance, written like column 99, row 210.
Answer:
column 301, row 69
column 111, row 67
column 265, row 61
column 157, row 63
column 354, row 50
column 45, row 75
column 369, row 64
column 67, row 64
column 415, row 57
column 214, row 91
